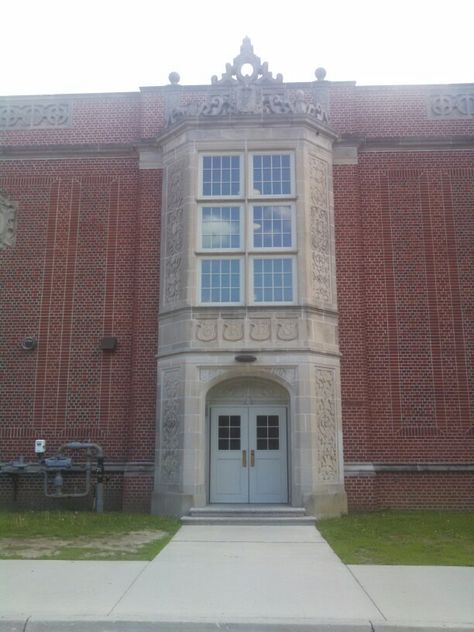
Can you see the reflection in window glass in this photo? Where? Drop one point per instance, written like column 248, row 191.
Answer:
column 220, row 280
column 220, row 227
column 272, row 174
column 272, row 227
column 273, row 280
column 220, row 175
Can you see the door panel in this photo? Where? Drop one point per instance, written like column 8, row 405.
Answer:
column 229, row 438
column 268, row 477
column 248, row 455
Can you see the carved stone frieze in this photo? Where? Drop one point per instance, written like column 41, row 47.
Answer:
column 174, row 232
column 249, row 331
column 327, row 465
column 173, row 282
column 285, row 373
column 8, row 210
column 206, row 374
column 248, row 390
column 320, row 230
column 169, row 466
column 318, row 182
column 34, row 115
column 451, row 105
column 175, row 188
column 248, row 87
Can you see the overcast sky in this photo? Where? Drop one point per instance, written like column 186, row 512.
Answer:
column 57, row 46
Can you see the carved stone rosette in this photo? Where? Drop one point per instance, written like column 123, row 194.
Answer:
column 174, row 233
column 327, row 465
column 320, row 230
column 8, row 210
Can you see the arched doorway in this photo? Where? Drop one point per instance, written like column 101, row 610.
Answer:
column 248, row 442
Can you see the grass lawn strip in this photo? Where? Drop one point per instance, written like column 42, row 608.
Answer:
column 402, row 537
column 62, row 535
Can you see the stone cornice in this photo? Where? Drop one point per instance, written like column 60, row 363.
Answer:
column 59, row 152
column 404, row 143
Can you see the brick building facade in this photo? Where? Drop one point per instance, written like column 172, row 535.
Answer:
column 382, row 181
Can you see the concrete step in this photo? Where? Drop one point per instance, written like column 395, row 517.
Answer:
column 248, row 520
column 247, row 510
column 248, row 515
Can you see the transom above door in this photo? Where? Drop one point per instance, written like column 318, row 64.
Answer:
column 248, row 454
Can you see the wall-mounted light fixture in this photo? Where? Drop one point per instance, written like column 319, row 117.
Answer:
column 29, row 343
column 108, row 343
column 245, row 357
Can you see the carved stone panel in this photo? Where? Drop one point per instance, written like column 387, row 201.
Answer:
column 327, row 465
column 260, row 329
column 233, row 330
column 206, row 330
column 7, row 221
column 320, row 230
column 451, row 105
column 171, row 424
column 34, row 115
column 174, row 235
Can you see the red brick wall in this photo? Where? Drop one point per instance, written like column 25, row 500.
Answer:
column 73, row 277
column 86, row 264
column 413, row 338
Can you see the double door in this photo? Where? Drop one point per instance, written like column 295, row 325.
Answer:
column 248, row 455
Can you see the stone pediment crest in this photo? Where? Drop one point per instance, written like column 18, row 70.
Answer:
column 248, row 87
column 7, row 221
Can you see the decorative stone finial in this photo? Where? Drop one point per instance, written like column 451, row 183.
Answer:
column 320, row 74
column 259, row 73
column 174, row 78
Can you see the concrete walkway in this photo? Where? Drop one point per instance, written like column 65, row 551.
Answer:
column 234, row 578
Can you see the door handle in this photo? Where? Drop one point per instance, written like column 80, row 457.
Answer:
column 244, row 458
column 252, row 458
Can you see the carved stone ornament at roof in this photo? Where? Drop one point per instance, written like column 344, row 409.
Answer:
column 252, row 92
column 7, row 221
column 259, row 75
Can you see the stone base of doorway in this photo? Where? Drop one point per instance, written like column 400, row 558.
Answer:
column 236, row 514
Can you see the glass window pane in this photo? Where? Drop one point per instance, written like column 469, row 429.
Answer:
column 271, row 174
column 276, row 282
column 221, row 175
column 220, row 284
column 261, row 444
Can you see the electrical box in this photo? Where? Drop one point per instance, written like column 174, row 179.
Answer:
column 40, row 446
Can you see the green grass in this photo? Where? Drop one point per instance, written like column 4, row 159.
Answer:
column 402, row 537
column 49, row 527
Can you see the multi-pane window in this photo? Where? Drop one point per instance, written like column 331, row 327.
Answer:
column 245, row 227
column 272, row 226
column 220, row 281
column 271, row 174
column 273, row 280
column 221, row 176
column 268, row 432
column 229, row 432
column 220, row 227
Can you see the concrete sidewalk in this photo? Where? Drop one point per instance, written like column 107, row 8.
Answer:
column 234, row 578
